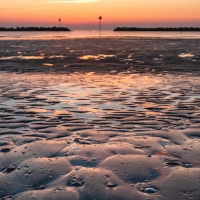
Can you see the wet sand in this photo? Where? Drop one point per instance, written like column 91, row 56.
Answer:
column 110, row 118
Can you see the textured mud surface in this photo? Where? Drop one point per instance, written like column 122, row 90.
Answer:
column 119, row 120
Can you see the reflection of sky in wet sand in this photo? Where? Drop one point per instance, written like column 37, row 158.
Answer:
column 186, row 55
column 96, row 57
column 92, row 95
column 69, row 120
column 22, row 57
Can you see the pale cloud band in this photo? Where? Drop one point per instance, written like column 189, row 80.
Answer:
column 66, row 1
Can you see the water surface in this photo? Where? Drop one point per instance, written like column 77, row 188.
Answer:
column 94, row 34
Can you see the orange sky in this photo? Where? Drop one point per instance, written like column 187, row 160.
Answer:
column 83, row 14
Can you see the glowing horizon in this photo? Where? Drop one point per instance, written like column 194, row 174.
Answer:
column 83, row 14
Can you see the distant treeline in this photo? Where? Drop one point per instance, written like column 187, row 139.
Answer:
column 180, row 29
column 35, row 29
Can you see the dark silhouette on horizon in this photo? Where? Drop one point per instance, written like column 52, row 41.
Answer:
column 180, row 29
column 35, row 29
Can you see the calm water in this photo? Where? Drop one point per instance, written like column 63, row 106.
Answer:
column 94, row 33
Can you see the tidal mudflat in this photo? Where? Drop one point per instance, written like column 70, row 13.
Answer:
column 100, row 118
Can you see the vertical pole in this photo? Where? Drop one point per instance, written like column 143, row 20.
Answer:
column 100, row 18
column 59, row 20
column 99, row 27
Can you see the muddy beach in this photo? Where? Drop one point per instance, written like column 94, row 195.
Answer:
column 100, row 118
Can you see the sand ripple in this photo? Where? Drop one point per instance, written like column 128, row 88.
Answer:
column 104, row 134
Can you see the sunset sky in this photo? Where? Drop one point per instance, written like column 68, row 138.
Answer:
column 83, row 14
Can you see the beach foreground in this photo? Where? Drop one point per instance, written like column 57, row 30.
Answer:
column 100, row 118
